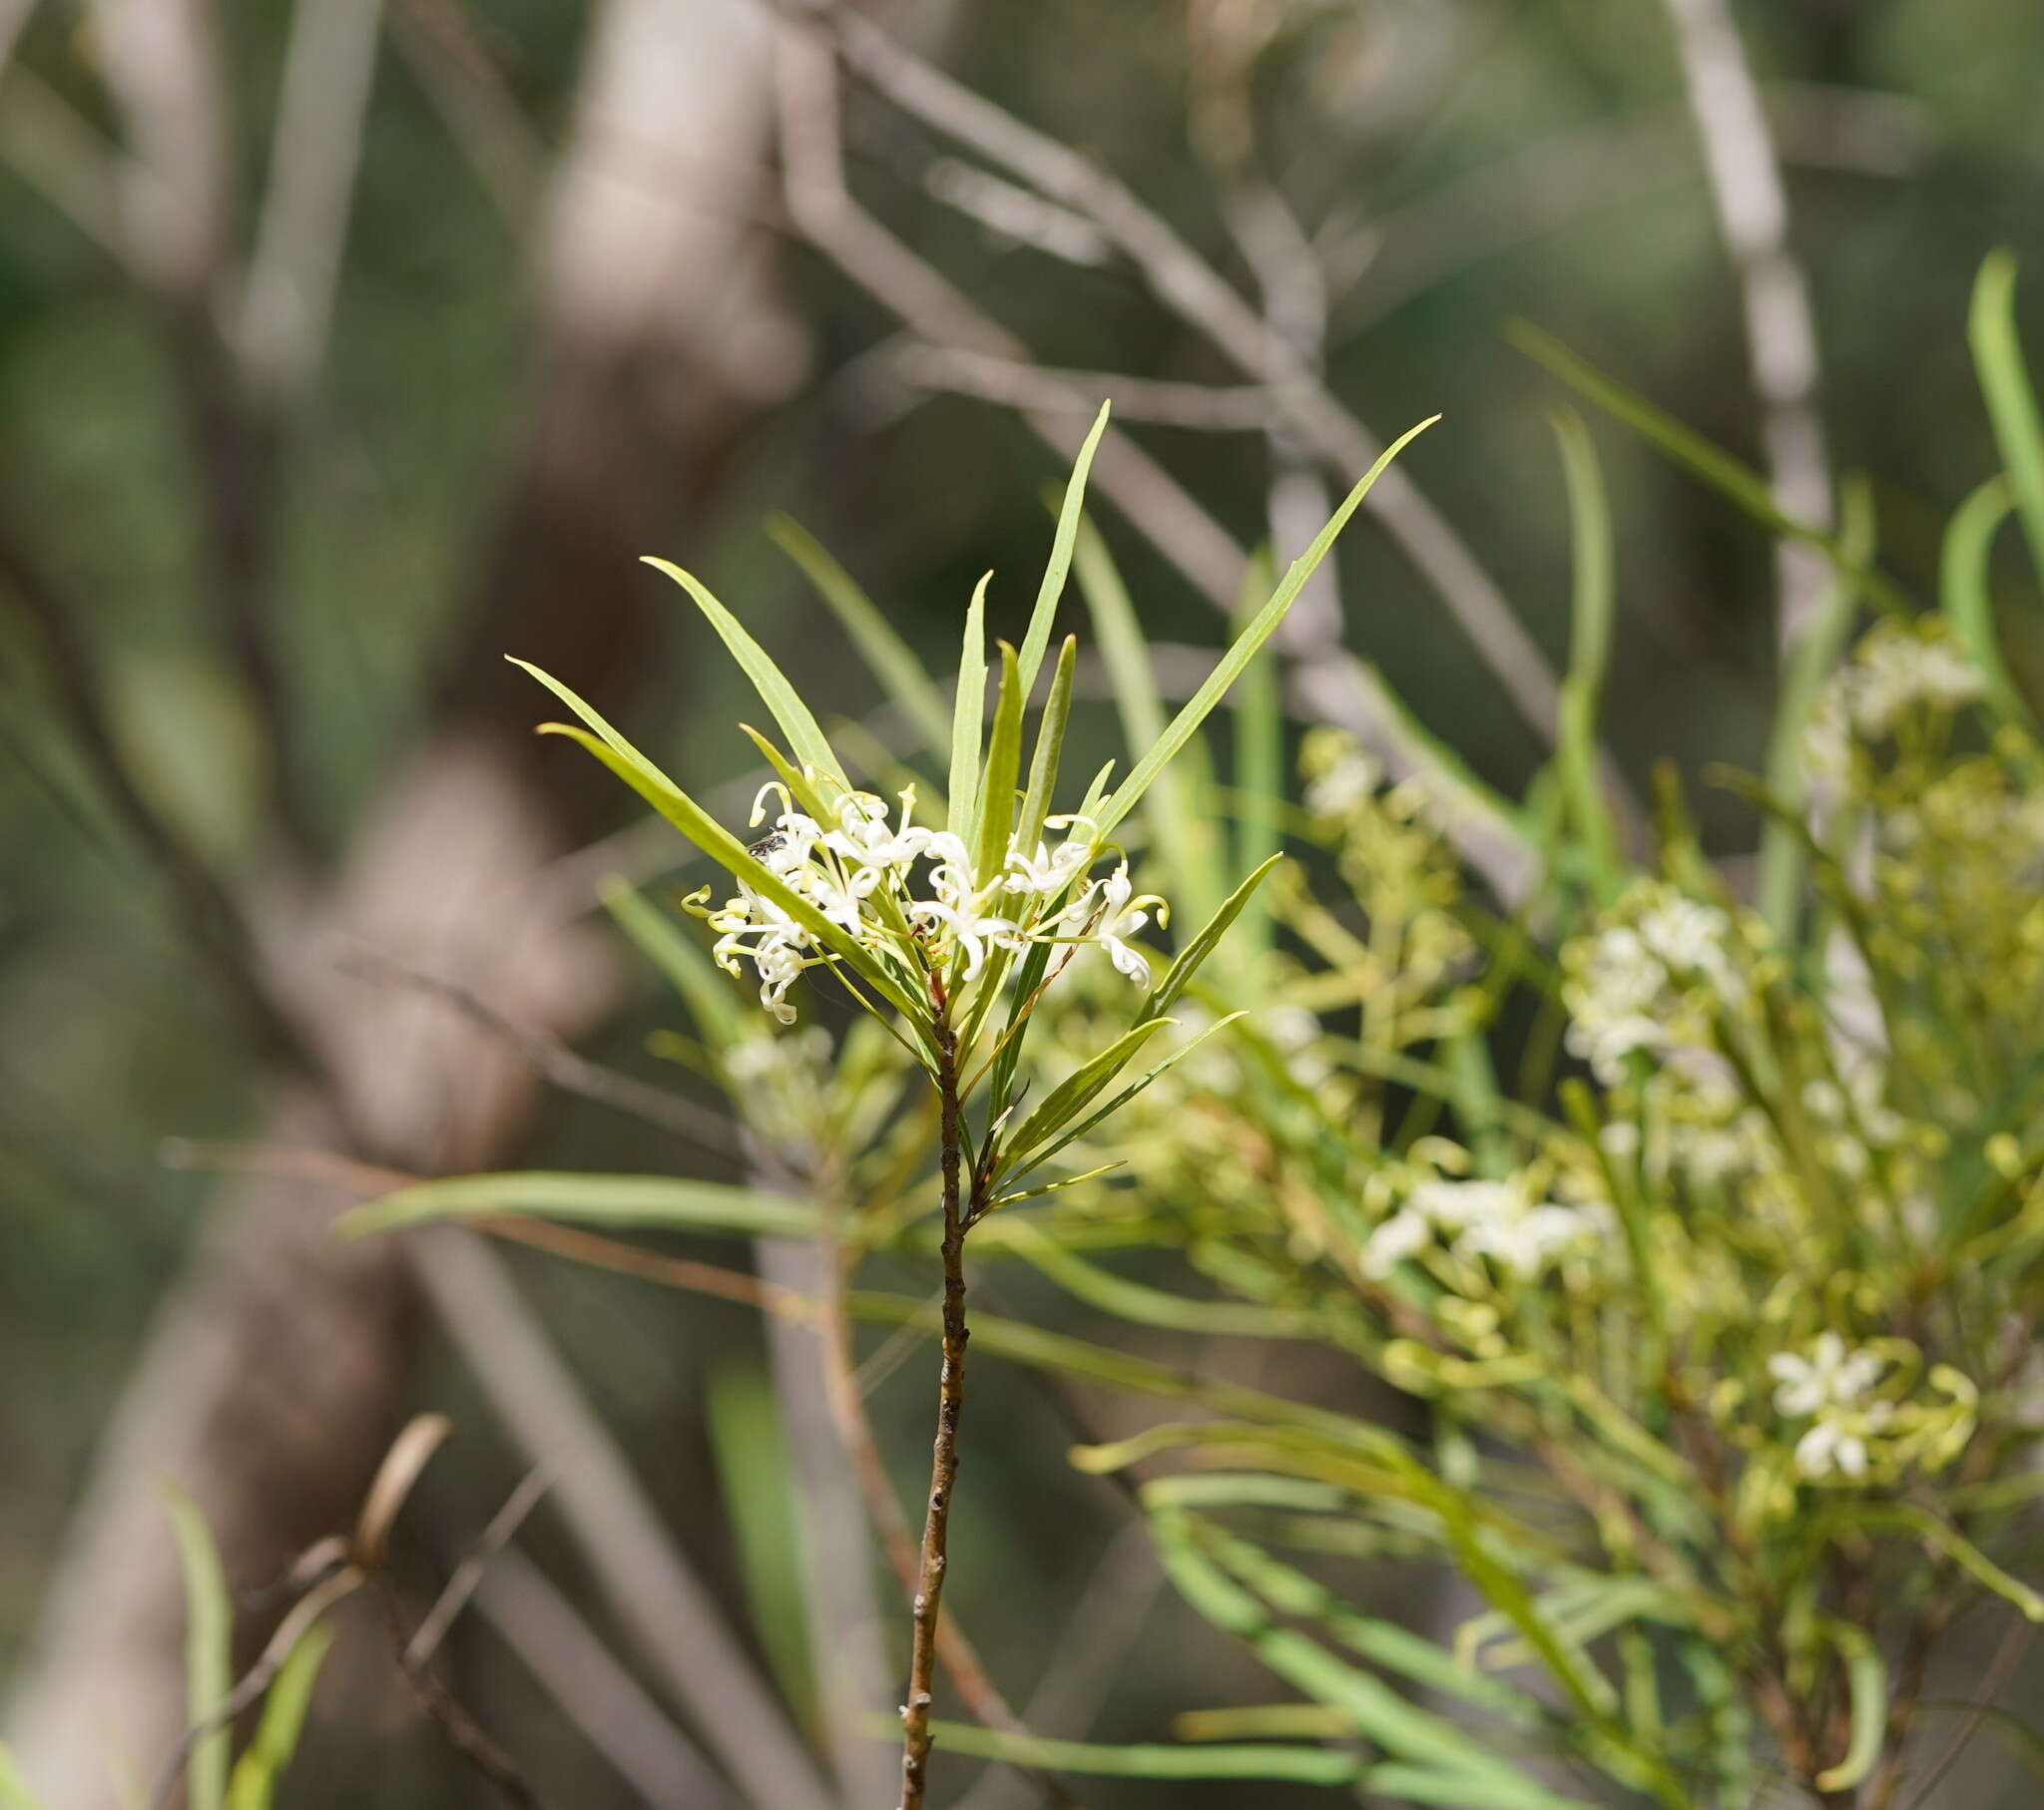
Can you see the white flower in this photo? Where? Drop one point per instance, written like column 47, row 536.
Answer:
column 971, row 929
column 864, row 837
column 1404, row 1234
column 1047, row 874
column 1349, row 780
column 1832, row 1376
column 1122, row 914
column 1837, row 1442
column 1482, row 1218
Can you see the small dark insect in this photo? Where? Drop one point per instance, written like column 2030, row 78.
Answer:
column 766, row 844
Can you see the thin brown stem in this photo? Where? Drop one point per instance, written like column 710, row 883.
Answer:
column 915, row 1712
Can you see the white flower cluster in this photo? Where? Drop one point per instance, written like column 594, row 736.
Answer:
column 909, row 894
column 1626, row 982
column 1895, row 668
column 1496, row 1219
column 1836, row 1384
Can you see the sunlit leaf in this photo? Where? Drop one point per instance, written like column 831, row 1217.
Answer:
column 669, row 1203
column 209, row 1648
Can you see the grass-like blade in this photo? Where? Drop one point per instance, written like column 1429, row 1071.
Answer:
column 1260, row 630
column 890, row 658
column 805, row 735
column 1968, row 600
column 1582, row 689
column 1259, row 767
column 688, row 970
column 1179, row 974
column 1003, row 769
column 1036, row 642
column 263, row 1763
column 1146, row 1760
column 1738, row 482
column 1050, row 747
column 968, row 722
column 2005, row 384
column 1866, row 1681
column 1070, row 1095
column 209, row 1648
column 664, row 1202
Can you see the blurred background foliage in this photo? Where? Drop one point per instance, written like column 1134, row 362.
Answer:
column 1460, row 163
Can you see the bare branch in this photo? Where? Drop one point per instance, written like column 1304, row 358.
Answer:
column 1234, row 408
column 461, row 1584
column 1780, row 326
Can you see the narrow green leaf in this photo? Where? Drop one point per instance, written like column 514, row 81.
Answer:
column 1968, row 600
column 1738, row 483
column 763, row 1508
column 891, row 659
column 1866, row 1679
column 1050, row 747
column 1003, row 765
column 1071, row 1094
column 805, row 735
column 1909, row 1518
column 968, row 714
column 1258, row 769
column 1182, row 727
column 209, row 1648
column 261, row 1765
column 1142, row 1305
column 667, row 1203
column 1179, row 976
column 2011, row 402
column 1778, row 885
column 1036, row 642
column 15, row 1791
column 1582, row 691
column 1253, row 1761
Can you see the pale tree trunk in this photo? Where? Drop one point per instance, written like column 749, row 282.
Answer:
column 279, row 1364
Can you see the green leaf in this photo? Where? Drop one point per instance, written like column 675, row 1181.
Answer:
column 2011, row 402
column 763, row 1508
column 805, row 735
column 1867, row 1680
column 1036, row 642
column 688, row 970
column 1259, row 773
column 1780, row 880
column 15, row 1791
column 1003, row 764
column 1908, row 1518
column 1737, row 482
column 1142, row 1305
column 1260, row 630
column 968, row 720
column 890, row 658
column 261, row 1765
column 1968, row 602
column 668, row 1202
column 1071, row 1094
column 1178, row 833
column 1582, row 691
column 1050, row 747
column 209, row 1648
column 1253, row 1760
column 1179, row 974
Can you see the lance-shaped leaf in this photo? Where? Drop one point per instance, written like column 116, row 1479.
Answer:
column 1260, row 630
column 1179, row 976
column 261, row 1765
column 891, row 659
column 1582, row 691
column 1255, row 1760
column 968, row 714
column 1866, row 1683
column 1259, row 766
column 688, row 969
column 2005, row 383
column 667, row 1203
column 208, row 1643
column 1037, row 641
column 1967, row 601
column 1050, row 747
column 1072, row 1095
column 805, row 735
column 998, row 779
column 721, row 845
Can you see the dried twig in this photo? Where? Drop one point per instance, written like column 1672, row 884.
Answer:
column 468, row 1575
column 1781, row 324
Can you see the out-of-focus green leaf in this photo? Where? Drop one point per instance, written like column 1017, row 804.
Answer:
column 805, row 735
column 1294, row 1765
column 1866, row 1679
column 1145, row 1306
column 1968, row 600
column 669, row 1203
column 15, row 1791
column 1737, row 482
column 1244, row 648
column 1582, row 689
column 1036, row 642
column 209, row 1648
column 1258, row 771
column 763, row 1511
column 2011, row 401
column 891, row 659
column 261, row 1765
column 688, row 969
